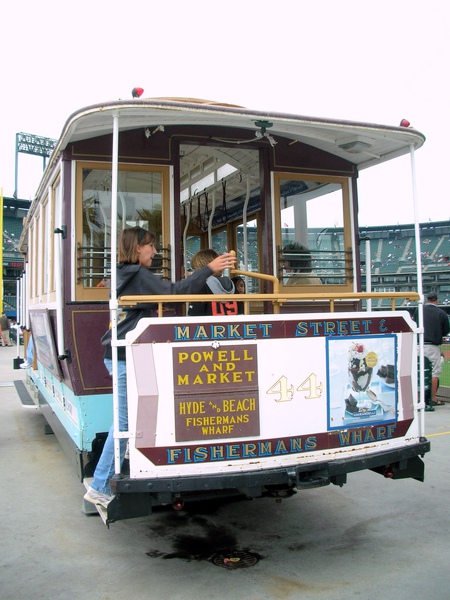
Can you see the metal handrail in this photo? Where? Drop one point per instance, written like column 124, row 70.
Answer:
column 276, row 297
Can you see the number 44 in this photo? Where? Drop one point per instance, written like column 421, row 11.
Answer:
column 285, row 393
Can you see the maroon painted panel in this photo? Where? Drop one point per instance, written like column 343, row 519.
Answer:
column 293, row 328
column 259, row 448
column 86, row 326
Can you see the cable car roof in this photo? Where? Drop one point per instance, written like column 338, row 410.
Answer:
column 362, row 144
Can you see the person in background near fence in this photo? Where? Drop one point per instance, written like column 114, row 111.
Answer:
column 4, row 330
column 436, row 325
column 136, row 250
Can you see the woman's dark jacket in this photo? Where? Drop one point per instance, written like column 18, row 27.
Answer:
column 134, row 280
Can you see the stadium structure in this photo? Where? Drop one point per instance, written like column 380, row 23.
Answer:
column 393, row 259
column 14, row 212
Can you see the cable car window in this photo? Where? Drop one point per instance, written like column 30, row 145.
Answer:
column 247, row 252
column 139, row 202
column 313, row 217
column 220, row 241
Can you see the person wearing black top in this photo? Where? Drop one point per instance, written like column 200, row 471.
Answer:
column 436, row 325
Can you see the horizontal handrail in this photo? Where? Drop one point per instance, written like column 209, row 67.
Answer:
column 262, row 276
column 277, row 298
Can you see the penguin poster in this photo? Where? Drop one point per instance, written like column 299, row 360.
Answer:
column 362, row 380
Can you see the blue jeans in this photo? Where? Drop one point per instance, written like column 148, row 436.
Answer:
column 105, row 466
column 30, row 351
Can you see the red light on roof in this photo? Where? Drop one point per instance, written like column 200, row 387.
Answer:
column 405, row 123
column 137, row 92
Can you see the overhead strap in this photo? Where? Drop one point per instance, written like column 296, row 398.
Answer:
column 190, row 212
column 224, row 201
column 206, row 215
column 199, row 212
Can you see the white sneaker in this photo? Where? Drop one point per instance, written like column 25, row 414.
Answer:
column 25, row 365
column 97, row 497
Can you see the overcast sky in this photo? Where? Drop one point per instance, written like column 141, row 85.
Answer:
column 376, row 62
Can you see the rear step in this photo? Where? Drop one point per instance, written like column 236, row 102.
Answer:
column 24, row 394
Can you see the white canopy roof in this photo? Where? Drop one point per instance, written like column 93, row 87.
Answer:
column 362, row 144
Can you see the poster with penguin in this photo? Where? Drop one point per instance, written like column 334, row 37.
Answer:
column 362, row 380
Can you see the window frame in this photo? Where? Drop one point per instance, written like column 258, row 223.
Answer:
column 85, row 294
column 345, row 183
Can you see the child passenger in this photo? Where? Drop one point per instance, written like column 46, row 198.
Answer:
column 239, row 284
column 216, row 284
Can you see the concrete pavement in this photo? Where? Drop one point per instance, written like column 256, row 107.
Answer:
column 372, row 538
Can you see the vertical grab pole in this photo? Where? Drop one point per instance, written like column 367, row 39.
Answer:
column 244, row 227
column 113, row 305
column 368, row 275
column 59, row 274
column 420, row 291
column 185, row 232
column 24, row 292
column 18, row 311
column 18, row 301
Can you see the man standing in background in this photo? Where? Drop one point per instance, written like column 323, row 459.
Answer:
column 4, row 329
column 436, row 325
